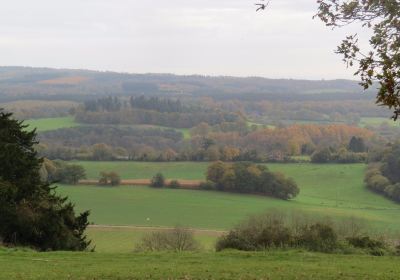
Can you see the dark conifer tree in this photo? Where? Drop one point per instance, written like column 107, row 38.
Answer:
column 31, row 213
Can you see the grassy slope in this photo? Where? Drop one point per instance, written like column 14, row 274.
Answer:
column 48, row 124
column 335, row 190
column 227, row 265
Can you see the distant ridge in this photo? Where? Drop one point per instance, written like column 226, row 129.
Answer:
column 75, row 84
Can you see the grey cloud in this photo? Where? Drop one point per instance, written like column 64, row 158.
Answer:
column 224, row 37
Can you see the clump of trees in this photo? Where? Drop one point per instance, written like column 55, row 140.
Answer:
column 275, row 229
column 61, row 172
column 178, row 239
column 250, row 178
column 384, row 176
column 109, row 178
column 32, row 214
column 354, row 152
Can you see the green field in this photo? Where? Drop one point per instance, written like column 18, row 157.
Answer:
column 378, row 121
column 124, row 240
column 141, row 170
column 51, row 123
column 48, row 124
column 333, row 190
column 225, row 265
column 251, row 124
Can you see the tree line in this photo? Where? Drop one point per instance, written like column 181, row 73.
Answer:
column 383, row 174
column 324, row 143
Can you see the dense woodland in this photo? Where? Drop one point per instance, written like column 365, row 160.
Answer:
column 206, row 144
column 153, row 111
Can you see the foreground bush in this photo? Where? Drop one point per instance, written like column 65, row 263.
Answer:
column 178, row 240
column 318, row 237
column 278, row 230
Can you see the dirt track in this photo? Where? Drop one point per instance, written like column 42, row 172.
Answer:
column 149, row 228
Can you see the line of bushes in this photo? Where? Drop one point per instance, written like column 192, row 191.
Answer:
column 275, row 230
column 158, row 181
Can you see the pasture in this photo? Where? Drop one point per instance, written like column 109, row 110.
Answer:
column 335, row 190
column 48, row 124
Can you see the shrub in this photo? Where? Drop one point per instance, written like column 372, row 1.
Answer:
column 321, row 156
column 174, row 184
column 365, row 242
column 115, row 179
column 109, row 178
column 178, row 240
column 158, row 181
column 209, row 186
column 350, row 157
column 318, row 237
column 258, row 233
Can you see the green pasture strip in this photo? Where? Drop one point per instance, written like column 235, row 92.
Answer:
column 48, row 124
column 146, row 170
column 225, row 265
column 124, row 240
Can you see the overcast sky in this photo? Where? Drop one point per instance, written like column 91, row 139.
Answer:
column 212, row 37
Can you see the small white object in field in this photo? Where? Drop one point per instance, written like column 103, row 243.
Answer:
column 148, row 219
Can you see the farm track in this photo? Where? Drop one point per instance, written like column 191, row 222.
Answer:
column 155, row 228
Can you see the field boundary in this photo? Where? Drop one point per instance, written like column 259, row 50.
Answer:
column 185, row 184
column 154, row 228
